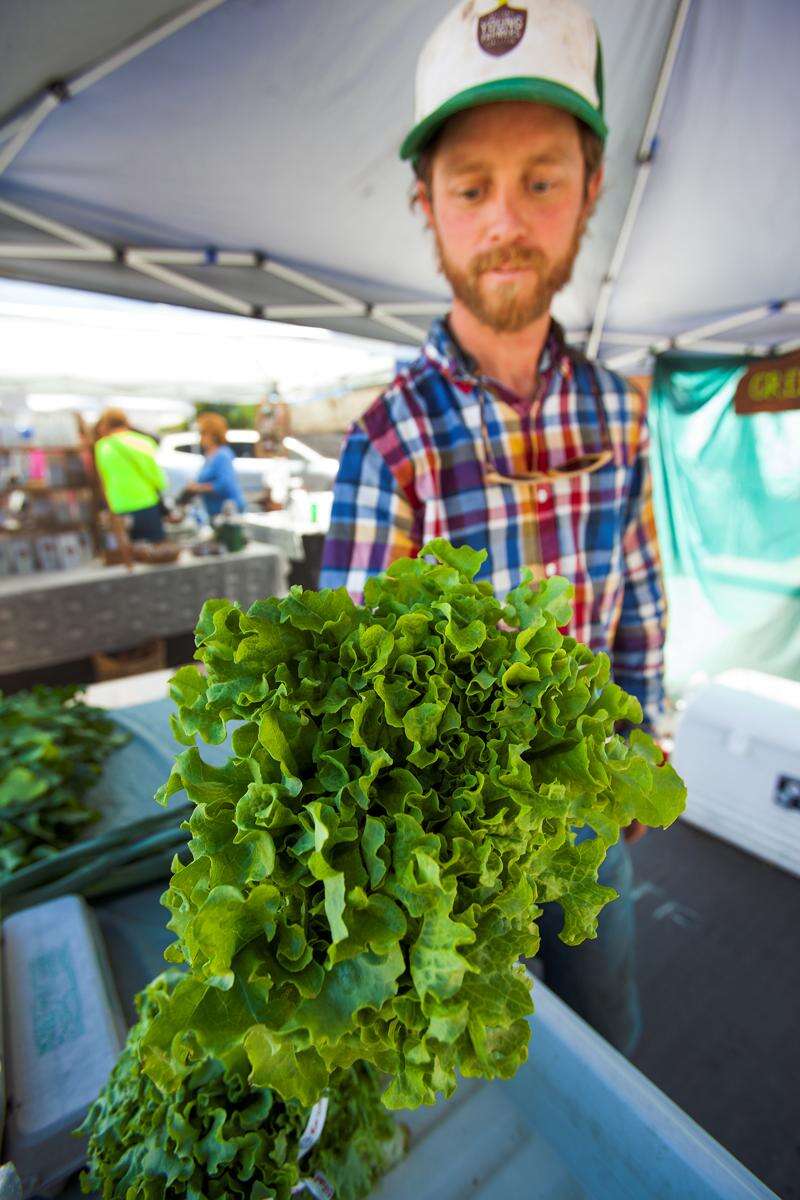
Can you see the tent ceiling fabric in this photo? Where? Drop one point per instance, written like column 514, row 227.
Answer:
column 719, row 229
column 41, row 42
column 273, row 127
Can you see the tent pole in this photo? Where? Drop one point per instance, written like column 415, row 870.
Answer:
column 309, row 284
column 167, row 257
column 302, row 312
column 184, row 284
column 380, row 315
column 418, row 308
column 628, row 339
column 47, row 225
column 621, row 361
column 734, row 321
column 21, row 126
column 56, row 253
column 27, row 129
column 158, row 33
column 713, row 346
column 645, row 161
column 353, row 306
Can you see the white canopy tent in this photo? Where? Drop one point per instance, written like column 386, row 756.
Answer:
column 69, row 342
column 241, row 156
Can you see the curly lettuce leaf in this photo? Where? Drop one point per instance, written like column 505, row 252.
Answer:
column 211, row 1133
column 407, row 780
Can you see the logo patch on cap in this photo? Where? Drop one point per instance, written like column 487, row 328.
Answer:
column 502, row 30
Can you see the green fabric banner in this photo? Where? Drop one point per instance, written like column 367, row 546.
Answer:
column 727, row 499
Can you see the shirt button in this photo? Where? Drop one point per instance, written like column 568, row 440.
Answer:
column 550, row 569
column 543, row 495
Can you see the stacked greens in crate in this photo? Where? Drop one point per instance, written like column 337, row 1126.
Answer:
column 76, row 811
column 364, row 872
column 52, row 751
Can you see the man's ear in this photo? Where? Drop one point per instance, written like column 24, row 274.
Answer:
column 593, row 189
column 422, row 199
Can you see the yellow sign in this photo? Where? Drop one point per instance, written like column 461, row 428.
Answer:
column 770, row 386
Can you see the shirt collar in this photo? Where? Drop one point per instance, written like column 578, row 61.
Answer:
column 460, row 368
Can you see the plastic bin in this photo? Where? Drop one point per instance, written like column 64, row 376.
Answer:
column 578, row 1121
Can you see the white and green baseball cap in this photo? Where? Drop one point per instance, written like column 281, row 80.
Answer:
column 483, row 52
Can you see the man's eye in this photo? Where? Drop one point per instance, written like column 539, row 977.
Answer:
column 540, row 186
column 470, row 193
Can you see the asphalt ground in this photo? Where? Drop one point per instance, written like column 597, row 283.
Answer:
column 718, row 954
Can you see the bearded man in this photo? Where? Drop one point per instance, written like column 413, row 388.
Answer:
column 500, row 436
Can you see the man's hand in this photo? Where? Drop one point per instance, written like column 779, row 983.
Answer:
column 634, row 832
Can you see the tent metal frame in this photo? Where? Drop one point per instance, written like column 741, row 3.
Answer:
column 329, row 302
column 704, row 337
column 159, row 263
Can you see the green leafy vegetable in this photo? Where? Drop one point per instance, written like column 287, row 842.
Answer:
column 406, row 781
column 52, row 749
column 213, row 1135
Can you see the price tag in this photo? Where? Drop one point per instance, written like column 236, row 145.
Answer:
column 319, row 1187
column 314, row 1127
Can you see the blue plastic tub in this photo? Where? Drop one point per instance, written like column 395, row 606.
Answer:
column 577, row 1122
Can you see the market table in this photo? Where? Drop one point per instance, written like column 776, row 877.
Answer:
column 286, row 528
column 57, row 616
column 300, row 537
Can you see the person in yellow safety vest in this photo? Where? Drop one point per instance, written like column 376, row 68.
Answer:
column 132, row 479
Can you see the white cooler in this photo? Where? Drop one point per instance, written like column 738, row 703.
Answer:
column 737, row 747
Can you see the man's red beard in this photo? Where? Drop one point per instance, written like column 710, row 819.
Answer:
column 510, row 307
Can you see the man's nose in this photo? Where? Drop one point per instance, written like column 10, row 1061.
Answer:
column 505, row 219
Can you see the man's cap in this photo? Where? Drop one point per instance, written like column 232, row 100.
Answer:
column 484, row 52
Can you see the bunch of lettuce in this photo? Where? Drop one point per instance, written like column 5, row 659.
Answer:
column 52, row 750
column 214, row 1136
column 406, row 781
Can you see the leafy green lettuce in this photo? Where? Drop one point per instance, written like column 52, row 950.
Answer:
column 52, row 750
column 214, row 1136
column 406, row 781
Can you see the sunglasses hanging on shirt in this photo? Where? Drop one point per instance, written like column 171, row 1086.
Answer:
column 583, row 464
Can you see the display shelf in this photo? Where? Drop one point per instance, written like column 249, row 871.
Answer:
column 62, row 502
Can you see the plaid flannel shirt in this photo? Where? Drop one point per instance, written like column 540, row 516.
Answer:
column 413, row 468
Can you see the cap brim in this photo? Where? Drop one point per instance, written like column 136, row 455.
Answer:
column 520, row 87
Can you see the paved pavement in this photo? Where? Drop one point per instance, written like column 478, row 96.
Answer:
column 719, row 972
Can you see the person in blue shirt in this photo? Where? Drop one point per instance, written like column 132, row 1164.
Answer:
column 217, row 481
